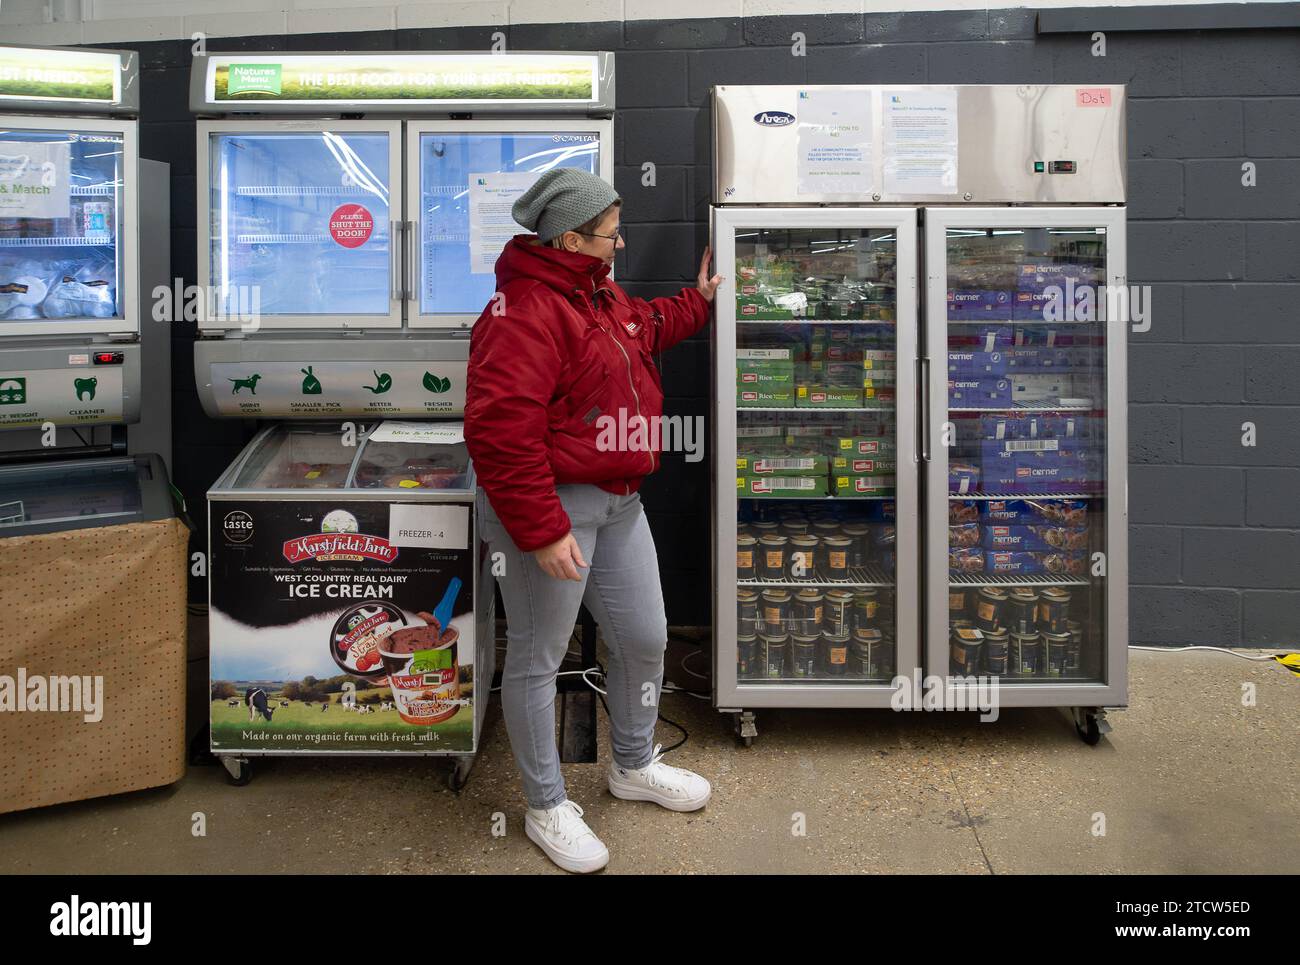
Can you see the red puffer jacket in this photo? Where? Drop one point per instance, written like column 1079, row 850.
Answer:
column 559, row 347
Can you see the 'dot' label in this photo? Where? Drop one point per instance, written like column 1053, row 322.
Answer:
column 351, row 225
column 1092, row 97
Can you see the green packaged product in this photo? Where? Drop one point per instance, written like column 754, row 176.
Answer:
column 844, row 485
column 828, row 396
column 864, row 465
column 777, row 487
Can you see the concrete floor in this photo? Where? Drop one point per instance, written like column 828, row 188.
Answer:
column 1189, row 782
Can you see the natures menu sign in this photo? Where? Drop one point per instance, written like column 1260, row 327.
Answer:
column 402, row 78
column 68, row 75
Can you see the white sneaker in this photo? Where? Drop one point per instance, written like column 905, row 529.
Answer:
column 565, row 837
column 673, row 787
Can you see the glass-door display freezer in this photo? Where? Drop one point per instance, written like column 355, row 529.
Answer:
column 815, row 502
column 1025, row 452
column 351, row 607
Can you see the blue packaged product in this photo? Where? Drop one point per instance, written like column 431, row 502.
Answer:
column 1041, row 538
column 972, row 305
column 963, row 477
column 1046, row 472
column 1059, row 512
column 880, row 511
column 975, row 365
column 991, row 338
column 1033, row 564
column 1034, row 360
column 978, row 393
column 1037, row 276
column 963, row 535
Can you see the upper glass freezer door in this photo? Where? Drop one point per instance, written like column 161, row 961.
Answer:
column 303, row 226
column 816, row 540
column 469, row 174
column 67, row 226
column 1025, row 338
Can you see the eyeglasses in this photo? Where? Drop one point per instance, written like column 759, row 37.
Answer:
column 614, row 237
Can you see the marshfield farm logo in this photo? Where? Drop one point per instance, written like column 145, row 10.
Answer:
column 339, row 539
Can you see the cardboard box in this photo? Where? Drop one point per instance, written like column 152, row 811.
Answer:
column 864, row 465
column 765, row 397
column 778, row 487
column 109, row 603
column 828, row 396
column 843, row 485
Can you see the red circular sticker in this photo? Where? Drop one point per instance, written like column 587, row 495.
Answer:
column 351, row 224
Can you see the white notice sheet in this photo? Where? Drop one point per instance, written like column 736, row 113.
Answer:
column 920, row 141
column 834, row 142
column 491, row 195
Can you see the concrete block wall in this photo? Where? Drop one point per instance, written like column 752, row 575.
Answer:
column 1215, row 538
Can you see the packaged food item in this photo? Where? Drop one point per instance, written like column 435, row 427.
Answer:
column 963, row 511
column 977, row 305
column 1034, row 564
column 21, row 296
column 963, row 535
column 1040, row 388
column 70, row 298
column 1038, row 275
column 780, row 486
column 766, row 398
column 842, row 485
column 1058, row 512
column 976, row 364
column 764, row 365
column 1040, row 538
column 966, row 560
column 963, row 477
column 863, row 465
column 780, row 460
column 978, row 393
column 828, row 396
column 864, row 445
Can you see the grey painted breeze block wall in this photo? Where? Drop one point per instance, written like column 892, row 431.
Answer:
column 1215, row 540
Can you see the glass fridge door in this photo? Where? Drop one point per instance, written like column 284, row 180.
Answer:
column 469, row 176
column 1026, row 528
column 302, row 225
column 816, row 544
column 67, row 234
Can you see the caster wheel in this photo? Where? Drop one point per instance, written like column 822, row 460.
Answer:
column 1090, row 733
column 457, row 778
column 747, row 742
column 238, row 772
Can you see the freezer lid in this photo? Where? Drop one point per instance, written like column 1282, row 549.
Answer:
column 415, row 457
column 294, row 456
column 69, row 80
column 83, row 494
column 405, row 82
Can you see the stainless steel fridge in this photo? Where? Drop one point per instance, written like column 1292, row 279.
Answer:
column 919, row 399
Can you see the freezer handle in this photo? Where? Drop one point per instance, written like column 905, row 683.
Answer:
column 923, row 410
column 395, row 259
column 408, row 273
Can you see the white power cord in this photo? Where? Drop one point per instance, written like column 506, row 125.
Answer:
column 1243, row 656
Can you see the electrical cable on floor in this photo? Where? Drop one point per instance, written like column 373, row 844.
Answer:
column 1243, row 656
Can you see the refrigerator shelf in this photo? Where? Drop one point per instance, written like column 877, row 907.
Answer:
column 1026, row 407
column 838, row 499
column 66, row 241
column 1022, row 321
column 285, row 239
column 873, row 574
column 1062, row 495
column 812, row 408
column 1011, row 579
column 813, row 321
column 297, row 190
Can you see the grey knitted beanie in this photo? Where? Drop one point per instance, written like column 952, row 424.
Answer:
column 561, row 200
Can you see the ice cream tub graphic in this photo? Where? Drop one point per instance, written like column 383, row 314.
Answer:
column 423, row 665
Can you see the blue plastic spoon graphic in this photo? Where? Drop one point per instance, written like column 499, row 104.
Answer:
column 442, row 613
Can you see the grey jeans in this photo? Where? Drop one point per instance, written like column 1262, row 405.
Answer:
column 620, row 587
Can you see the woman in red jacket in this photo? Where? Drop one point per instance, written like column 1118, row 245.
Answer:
column 562, row 407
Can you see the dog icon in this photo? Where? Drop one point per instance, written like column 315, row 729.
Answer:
column 249, row 383
column 85, row 388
